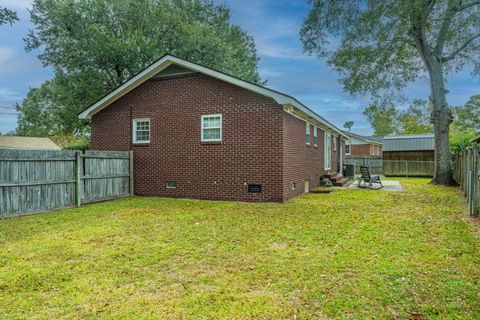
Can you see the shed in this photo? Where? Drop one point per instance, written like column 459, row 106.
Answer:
column 409, row 154
column 14, row 142
column 415, row 147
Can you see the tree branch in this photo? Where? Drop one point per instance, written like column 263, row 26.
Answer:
column 442, row 34
column 468, row 5
column 453, row 54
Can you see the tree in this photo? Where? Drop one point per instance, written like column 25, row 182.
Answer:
column 385, row 44
column 7, row 16
column 467, row 118
column 385, row 119
column 37, row 117
column 95, row 45
column 417, row 118
column 382, row 117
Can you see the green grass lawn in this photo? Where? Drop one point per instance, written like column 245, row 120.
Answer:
column 350, row 254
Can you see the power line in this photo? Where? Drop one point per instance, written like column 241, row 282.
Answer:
column 9, row 114
column 7, row 107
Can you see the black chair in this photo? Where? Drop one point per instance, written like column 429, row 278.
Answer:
column 368, row 180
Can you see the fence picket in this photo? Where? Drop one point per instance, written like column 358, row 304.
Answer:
column 467, row 175
column 34, row 181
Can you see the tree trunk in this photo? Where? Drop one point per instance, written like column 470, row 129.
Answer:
column 442, row 118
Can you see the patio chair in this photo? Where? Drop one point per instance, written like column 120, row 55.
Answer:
column 368, row 180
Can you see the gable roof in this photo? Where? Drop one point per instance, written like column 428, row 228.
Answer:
column 167, row 60
column 363, row 138
column 14, row 142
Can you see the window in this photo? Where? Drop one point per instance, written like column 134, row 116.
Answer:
column 212, row 127
column 141, row 130
column 347, row 149
column 334, row 145
column 328, row 151
column 171, row 185
column 294, row 186
column 254, row 188
column 307, row 133
column 315, row 136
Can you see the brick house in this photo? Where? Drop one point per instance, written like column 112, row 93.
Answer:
column 199, row 133
column 359, row 145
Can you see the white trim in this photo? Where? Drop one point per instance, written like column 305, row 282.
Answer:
column 202, row 128
column 315, row 135
column 171, row 187
column 134, row 130
column 308, row 131
column 167, row 60
column 349, row 149
column 327, row 153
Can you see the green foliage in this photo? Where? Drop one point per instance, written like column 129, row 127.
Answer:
column 7, row 16
column 95, row 45
column 379, row 45
column 467, row 118
column 417, row 118
column 460, row 139
column 382, row 45
column 72, row 142
column 152, row 258
column 36, row 118
column 382, row 118
column 385, row 119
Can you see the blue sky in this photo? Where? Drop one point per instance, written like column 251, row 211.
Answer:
column 274, row 24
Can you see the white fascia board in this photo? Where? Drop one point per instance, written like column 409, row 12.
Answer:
column 125, row 88
column 167, row 60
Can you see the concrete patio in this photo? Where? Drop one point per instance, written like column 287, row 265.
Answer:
column 388, row 185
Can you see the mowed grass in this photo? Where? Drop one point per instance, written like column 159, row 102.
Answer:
column 355, row 254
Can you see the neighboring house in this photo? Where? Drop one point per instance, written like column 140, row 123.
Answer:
column 362, row 146
column 413, row 147
column 199, row 133
column 14, row 142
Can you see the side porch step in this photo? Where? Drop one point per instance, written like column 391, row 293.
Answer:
column 337, row 180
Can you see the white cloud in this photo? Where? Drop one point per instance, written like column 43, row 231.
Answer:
column 6, row 53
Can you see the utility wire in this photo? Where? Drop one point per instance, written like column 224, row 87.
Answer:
column 9, row 114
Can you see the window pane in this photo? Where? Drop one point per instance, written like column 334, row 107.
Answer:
column 211, row 134
column 211, row 122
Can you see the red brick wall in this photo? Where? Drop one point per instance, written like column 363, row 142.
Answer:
column 301, row 161
column 365, row 150
column 252, row 148
column 361, row 150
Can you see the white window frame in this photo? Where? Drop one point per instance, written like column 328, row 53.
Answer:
column 202, row 128
column 315, row 135
column 328, row 151
column 134, row 130
column 308, row 133
column 348, row 150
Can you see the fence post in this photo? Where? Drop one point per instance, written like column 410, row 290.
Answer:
column 131, row 173
column 470, row 192
column 78, row 178
column 406, row 169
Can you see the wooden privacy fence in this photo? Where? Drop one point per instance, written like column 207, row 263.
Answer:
column 397, row 168
column 375, row 164
column 467, row 175
column 408, row 168
column 33, row 181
